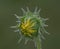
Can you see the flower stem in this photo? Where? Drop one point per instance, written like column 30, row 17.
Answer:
column 38, row 43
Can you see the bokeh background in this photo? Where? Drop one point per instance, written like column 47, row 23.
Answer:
column 49, row 9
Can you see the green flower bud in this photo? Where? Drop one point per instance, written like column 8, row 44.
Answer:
column 31, row 26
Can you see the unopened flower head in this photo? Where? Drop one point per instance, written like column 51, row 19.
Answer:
column 31, row 26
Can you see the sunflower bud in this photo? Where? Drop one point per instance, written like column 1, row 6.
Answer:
column 31, row 26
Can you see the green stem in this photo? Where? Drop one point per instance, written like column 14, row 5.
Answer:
column 38, row 43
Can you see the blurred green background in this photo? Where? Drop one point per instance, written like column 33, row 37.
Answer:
column 49, row 9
